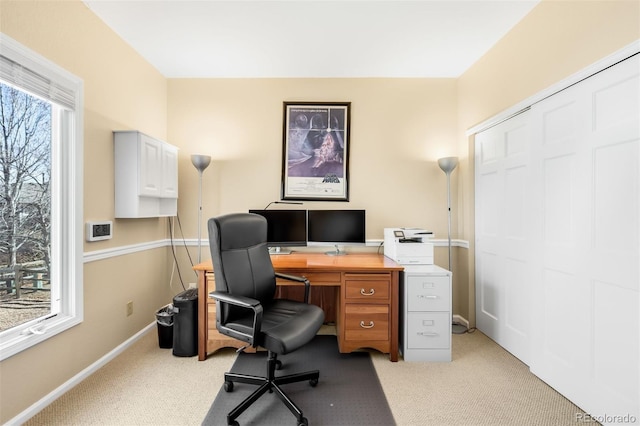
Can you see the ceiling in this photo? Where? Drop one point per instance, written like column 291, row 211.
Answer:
column 311, row 38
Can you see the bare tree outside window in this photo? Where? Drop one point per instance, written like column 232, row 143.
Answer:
column 25, row 207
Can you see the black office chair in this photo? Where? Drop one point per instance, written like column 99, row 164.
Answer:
column 246, row 309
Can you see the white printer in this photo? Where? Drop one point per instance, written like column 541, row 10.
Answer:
column 409, row 246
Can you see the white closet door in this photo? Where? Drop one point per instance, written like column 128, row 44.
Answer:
column 585, row 318
column 502, row 234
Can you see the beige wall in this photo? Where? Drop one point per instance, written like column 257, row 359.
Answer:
column 121, row 92
column 555, row 40
column 399, row 128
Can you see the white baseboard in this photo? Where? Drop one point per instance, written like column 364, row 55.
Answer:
column 69, row 384
column 460, row 320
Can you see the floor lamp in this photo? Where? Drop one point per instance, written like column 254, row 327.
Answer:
column 448, row 164
column 200, row 162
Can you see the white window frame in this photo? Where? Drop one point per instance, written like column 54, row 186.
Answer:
column 66, row 196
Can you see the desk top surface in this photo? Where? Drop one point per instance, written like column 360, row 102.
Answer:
column 309, row 261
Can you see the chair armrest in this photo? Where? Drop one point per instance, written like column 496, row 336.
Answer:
column 299, row 279
column 243, row 302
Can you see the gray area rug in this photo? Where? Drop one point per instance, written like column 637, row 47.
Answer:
column 348, row 392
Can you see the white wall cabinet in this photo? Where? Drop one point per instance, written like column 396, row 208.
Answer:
column 558, row 240
column 146, row 176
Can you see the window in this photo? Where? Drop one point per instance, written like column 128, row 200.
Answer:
column 40, row 198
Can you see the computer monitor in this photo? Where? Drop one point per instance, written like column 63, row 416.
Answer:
column 285, row 228
column 336, row 227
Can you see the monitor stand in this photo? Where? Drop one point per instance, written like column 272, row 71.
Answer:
column 336, row 252
column 278, row 250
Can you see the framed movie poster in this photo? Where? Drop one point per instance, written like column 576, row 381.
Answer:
column 315, row 151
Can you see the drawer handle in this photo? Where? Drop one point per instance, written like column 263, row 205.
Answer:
column 427, row 296
column 428, row 334
column 370, row 293
column 362, row 324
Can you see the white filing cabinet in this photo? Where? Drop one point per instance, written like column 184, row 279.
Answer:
column 146, row 176
column 426, row 313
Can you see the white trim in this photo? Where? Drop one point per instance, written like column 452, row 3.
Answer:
column 92, row 256
column 454, row 243
column 592, row 69
column 71, row 383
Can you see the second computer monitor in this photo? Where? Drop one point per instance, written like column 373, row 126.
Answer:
column 336, row 228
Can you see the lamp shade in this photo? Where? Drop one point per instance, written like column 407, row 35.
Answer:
column 200, row 162
column 447, row 164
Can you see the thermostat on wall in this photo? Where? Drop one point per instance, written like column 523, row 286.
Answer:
column 97, row 231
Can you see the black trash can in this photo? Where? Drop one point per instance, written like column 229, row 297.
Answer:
column 164, row 320
column 185, row 323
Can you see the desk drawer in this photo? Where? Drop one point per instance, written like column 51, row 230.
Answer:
column 366, row 322
column 429, row 330
column 427, row 293
column 315, row 278
column 370, row 288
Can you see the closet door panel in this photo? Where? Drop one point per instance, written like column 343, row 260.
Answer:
column 616, row 209
column 614, row 262
column 502, row 231
column 586, row 149
column 489, row 290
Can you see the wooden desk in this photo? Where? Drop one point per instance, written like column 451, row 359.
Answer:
column 366, row 302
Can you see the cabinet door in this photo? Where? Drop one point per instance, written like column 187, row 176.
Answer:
column 150, row 171
column 169, row 174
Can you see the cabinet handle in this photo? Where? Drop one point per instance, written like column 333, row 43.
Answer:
column 427, row 333
column 370, row 293
column 362, row 324
column 427, row 296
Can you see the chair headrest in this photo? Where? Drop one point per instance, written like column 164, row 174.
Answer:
column 238, row 230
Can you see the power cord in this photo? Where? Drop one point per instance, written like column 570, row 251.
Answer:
column 173, row 252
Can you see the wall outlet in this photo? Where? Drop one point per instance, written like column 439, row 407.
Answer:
column 129, row 308
column 193, row 285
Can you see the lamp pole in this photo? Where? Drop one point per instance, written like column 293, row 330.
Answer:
column 200, row 162
column 448, row 164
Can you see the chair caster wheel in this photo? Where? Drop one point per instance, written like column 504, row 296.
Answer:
column 303, row 422
column 313, row 382
column 228, row 387
column 278, row 365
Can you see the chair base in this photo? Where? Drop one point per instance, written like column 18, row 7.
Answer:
column 270, row 384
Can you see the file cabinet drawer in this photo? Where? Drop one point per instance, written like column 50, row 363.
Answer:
column 431, row 330
column 366, row 322
column 428, row 293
